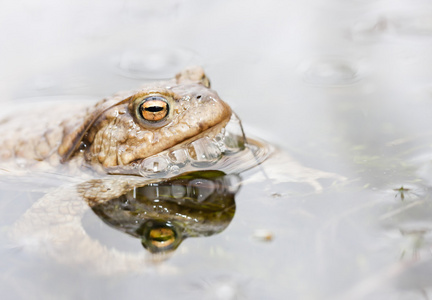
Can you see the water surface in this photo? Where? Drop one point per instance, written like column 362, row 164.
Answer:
column 343, row 87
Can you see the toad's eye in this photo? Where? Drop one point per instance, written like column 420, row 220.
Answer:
column 153, row 109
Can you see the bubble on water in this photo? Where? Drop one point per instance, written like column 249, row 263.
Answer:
column 203, row 152
column 155, row 63
column 330, row 71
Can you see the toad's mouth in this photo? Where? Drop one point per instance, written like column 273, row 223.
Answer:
column 200, row 152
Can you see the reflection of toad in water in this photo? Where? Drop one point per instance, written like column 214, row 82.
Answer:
column 164, row 213
column 161, row 212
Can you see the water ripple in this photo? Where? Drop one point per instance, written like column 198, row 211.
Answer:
column 155, row 63
column 330, row 71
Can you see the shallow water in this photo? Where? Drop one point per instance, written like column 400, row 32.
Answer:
column 343, row 87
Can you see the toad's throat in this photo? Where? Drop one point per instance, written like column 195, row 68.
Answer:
column 201, row 151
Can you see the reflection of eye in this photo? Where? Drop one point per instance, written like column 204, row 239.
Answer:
column 162, row 236
column 153, row 108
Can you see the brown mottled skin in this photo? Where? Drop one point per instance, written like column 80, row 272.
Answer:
column 109, row 134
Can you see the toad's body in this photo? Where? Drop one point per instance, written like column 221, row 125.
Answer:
column 121, row 131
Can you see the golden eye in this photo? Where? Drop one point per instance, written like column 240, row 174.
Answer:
column 154, row 109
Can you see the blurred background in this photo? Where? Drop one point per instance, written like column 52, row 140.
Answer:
column 343, row 86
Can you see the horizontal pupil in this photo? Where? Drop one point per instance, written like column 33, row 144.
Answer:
column 154, row 108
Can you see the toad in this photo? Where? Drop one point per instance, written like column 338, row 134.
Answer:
column 88, row 155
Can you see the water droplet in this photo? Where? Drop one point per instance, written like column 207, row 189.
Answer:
column 332, row 71
column 203, row 152
column 178, row 157
column 155, row 164
column 155, row 63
